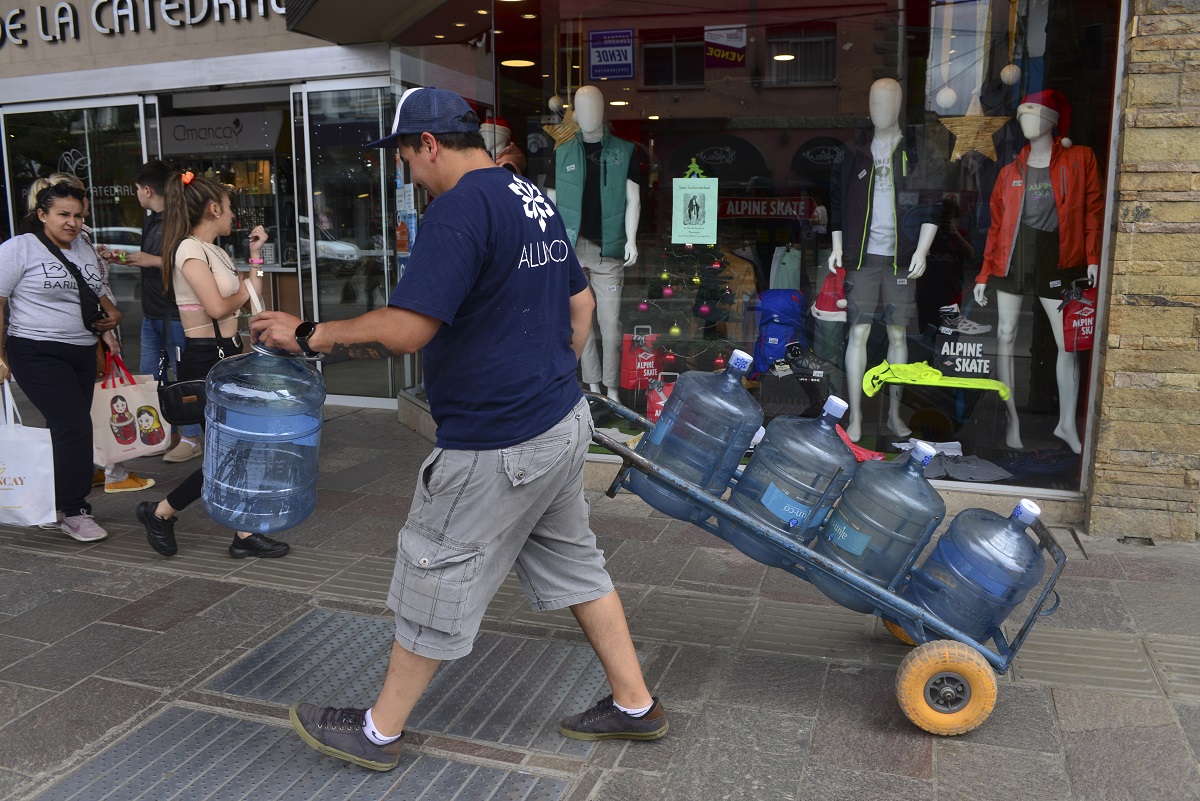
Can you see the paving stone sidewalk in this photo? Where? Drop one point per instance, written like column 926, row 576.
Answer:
column 124, row 675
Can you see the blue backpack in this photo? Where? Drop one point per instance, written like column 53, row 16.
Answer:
column 780, row 321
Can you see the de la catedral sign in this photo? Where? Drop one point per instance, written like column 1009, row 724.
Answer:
column 63, row 22
column 791, row 208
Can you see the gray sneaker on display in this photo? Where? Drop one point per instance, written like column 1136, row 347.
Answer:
column 953, row 319
column 339, row 733
column 605, row 722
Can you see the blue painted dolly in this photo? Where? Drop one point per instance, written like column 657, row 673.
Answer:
column 946, row 685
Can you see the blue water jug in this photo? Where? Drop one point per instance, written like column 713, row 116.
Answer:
column 263, row 412
column 798, row 471
column 701, row 436
column 981, row 569
column 883, row 515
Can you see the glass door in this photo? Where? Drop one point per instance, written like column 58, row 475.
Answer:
column 339, row 235
column 101, row 142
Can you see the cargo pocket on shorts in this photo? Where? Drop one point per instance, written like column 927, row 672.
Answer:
column 435, row 579
column 528, row 461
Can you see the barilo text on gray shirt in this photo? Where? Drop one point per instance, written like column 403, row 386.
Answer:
column 43, row 299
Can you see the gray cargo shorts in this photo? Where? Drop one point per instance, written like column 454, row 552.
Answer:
column 880, row 288
column 477, row 514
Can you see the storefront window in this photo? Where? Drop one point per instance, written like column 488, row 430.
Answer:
column 769, row 142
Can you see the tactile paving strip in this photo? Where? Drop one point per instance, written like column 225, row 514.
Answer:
column 189, row 755
column 1086, row 659
column 1178, row 665
column 809, row 630
column 510, row 690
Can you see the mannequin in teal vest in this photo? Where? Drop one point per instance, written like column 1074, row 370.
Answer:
column 606, row 252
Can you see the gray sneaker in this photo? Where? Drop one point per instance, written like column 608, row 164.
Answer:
column 605, row 722
column 339, row 733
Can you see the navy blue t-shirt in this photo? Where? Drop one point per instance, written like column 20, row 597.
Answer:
column 492, row 262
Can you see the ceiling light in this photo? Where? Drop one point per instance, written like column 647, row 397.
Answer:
column 516, row 62
column 439, row 36
column 785, row 57
column 652, row 117
column 525, row 16
column 460, row 25
column 545, row 75
column 365, row 194
column 482, row 11
column 497, row 30
column 618, row 102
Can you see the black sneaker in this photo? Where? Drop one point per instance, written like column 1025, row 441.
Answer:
column 605, row 722
column 339, row 733
column 159, row 533
column 259, row 545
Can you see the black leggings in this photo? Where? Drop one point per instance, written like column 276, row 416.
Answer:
column 199, row 356
column 59, row 381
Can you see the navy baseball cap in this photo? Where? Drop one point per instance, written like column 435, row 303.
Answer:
column 433, row 110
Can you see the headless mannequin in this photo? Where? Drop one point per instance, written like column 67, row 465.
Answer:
column 884, row 104
column 589, row 116
column 1037, row 123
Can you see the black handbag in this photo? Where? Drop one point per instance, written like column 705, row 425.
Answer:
column 89, row 303
column 182, row 402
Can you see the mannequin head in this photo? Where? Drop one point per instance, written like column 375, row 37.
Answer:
column 496, row 133
column 1042, row 112
column 884, row 103
column 1036, row 121
column 589, row 111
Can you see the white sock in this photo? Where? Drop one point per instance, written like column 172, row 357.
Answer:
column 114, row 473
column 373, row 733
column 634, row 713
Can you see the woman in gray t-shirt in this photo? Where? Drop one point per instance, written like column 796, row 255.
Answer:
column 51, row 354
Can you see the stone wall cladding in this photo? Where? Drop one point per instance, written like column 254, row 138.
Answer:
column 1145, row 478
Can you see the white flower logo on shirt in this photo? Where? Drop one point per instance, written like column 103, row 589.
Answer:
column 536, row 207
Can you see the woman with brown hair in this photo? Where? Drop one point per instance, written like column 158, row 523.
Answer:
column 51, row 351
column 209, row 292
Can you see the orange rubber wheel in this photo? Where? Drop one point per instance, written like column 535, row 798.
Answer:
column 897, row 632
column 946, row 687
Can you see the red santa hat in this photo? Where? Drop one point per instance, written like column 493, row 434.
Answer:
column 498, row 122
column 831, row 300
column 1055, row 101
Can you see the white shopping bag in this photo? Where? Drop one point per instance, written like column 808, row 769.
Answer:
column 26, row 469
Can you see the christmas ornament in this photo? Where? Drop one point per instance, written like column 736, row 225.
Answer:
column 668, row 292
column 974, row 131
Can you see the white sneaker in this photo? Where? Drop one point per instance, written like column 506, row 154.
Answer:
column 184, row 450
column 57, row 524
column 83, row 527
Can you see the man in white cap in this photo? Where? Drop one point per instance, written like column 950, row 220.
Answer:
column 492, row 282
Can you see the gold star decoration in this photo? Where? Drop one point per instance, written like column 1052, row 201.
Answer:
column 974, row 131
column 561, row 132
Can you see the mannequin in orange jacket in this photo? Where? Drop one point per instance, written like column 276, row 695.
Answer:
column 1037, row 122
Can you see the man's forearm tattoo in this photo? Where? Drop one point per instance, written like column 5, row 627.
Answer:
column 361, row 350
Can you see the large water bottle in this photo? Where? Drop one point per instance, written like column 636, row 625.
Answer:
column 880, row 519
column 263, row 415
column 797, row 472
column 982, row 568
column 701, row 436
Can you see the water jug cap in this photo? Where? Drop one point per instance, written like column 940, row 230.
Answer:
column 923, row 452
column 835, row 407
column 1027, row 511
column 740, row 361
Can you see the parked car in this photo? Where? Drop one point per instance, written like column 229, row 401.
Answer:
column 118, row 238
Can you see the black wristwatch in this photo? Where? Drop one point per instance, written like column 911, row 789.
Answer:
column 303, row 332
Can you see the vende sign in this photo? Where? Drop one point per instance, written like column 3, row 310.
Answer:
column 790, row 208
column 610, row 54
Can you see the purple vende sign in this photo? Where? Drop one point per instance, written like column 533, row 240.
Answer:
column 610, row 54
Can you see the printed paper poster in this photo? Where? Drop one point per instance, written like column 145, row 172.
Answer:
column 694, row 211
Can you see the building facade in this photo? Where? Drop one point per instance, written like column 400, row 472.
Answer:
column 742, row 118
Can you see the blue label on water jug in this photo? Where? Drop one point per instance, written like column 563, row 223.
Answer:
column 845, row 537
column 790, row 511
column 660, row 430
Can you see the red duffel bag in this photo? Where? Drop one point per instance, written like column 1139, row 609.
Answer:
column 640, row 360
